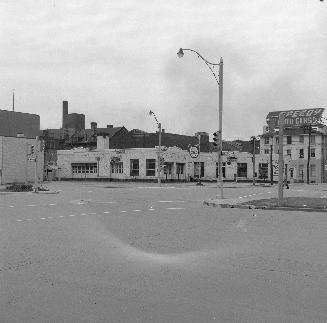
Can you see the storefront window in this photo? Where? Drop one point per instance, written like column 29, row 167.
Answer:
column 134, row 167
column 150, row 167
column 242, row 169
column 84, row 168
column 117, row 168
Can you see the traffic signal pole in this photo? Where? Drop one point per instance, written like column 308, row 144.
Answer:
column 220, row 178
column 281, row 160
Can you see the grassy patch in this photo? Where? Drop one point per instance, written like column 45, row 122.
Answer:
column 296, row 202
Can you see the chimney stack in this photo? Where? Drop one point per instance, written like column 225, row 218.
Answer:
column 64, row 113
column 109, row 126
column 94, row 125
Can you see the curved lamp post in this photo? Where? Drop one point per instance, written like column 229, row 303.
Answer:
column 159, row 148
column 219, row 80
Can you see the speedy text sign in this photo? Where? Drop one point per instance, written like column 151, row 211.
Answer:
column 297, row 117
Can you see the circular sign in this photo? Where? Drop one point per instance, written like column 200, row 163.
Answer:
column 194, row 151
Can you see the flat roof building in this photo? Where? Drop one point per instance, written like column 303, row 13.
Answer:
column 14, row 123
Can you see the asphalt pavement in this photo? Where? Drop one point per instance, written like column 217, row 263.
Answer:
column 137, row 252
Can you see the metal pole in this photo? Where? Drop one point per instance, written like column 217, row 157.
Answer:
column 309, row 155
column 220, row 147
column 253, row 163
column 159, row 157
column 26, row 161
column 271, row 164
column 199, row 163
column 281, row 160
column 35, row 174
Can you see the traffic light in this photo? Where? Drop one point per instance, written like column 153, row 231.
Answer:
column 216, row 138
column 32, row 149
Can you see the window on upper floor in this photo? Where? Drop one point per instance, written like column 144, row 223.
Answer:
column 289, row 140
column 312, row 152
column 301, row 154
column 266, row 140
column 289, row 152
column 301, row 139
column 312, row 140
column 266, row 151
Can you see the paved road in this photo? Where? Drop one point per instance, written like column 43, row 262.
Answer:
column 100, row 252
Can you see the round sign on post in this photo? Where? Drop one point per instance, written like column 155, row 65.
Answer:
column 194, row 151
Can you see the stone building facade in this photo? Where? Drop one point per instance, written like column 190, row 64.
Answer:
column 142, row 164
column 16, row 164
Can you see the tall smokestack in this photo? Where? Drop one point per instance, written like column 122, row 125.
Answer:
column 64, row 113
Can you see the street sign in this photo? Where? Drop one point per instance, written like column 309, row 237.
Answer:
column 194, row 151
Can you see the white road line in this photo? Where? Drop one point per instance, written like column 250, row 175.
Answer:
column 42, row 218
column 240, row 197
column 72, row 215
column 11, row 206
column 106, row 212
column 136, row 210
column 61, row 216
column 52, row 204
column 171, row 201
column 151, row 209
column 83, row 213
column 175, row 208
column 31, row 205
column 92, row 213
column 19, row 220
column 123, row 211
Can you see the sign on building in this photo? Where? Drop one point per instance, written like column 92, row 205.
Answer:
column 194, row 151
column 296, row 117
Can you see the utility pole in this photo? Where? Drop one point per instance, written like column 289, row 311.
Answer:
column 159, row 155
column 309, row 153
column 253, row 159
column 159, row 150
column 271, row 137
column 281, row 160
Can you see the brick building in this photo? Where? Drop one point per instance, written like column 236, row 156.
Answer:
column 304, row 144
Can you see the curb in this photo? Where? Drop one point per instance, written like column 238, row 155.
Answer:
column 253, row 207
column 47, row 192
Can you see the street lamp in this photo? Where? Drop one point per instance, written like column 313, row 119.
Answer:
column 219, row 81
column 159, row 148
